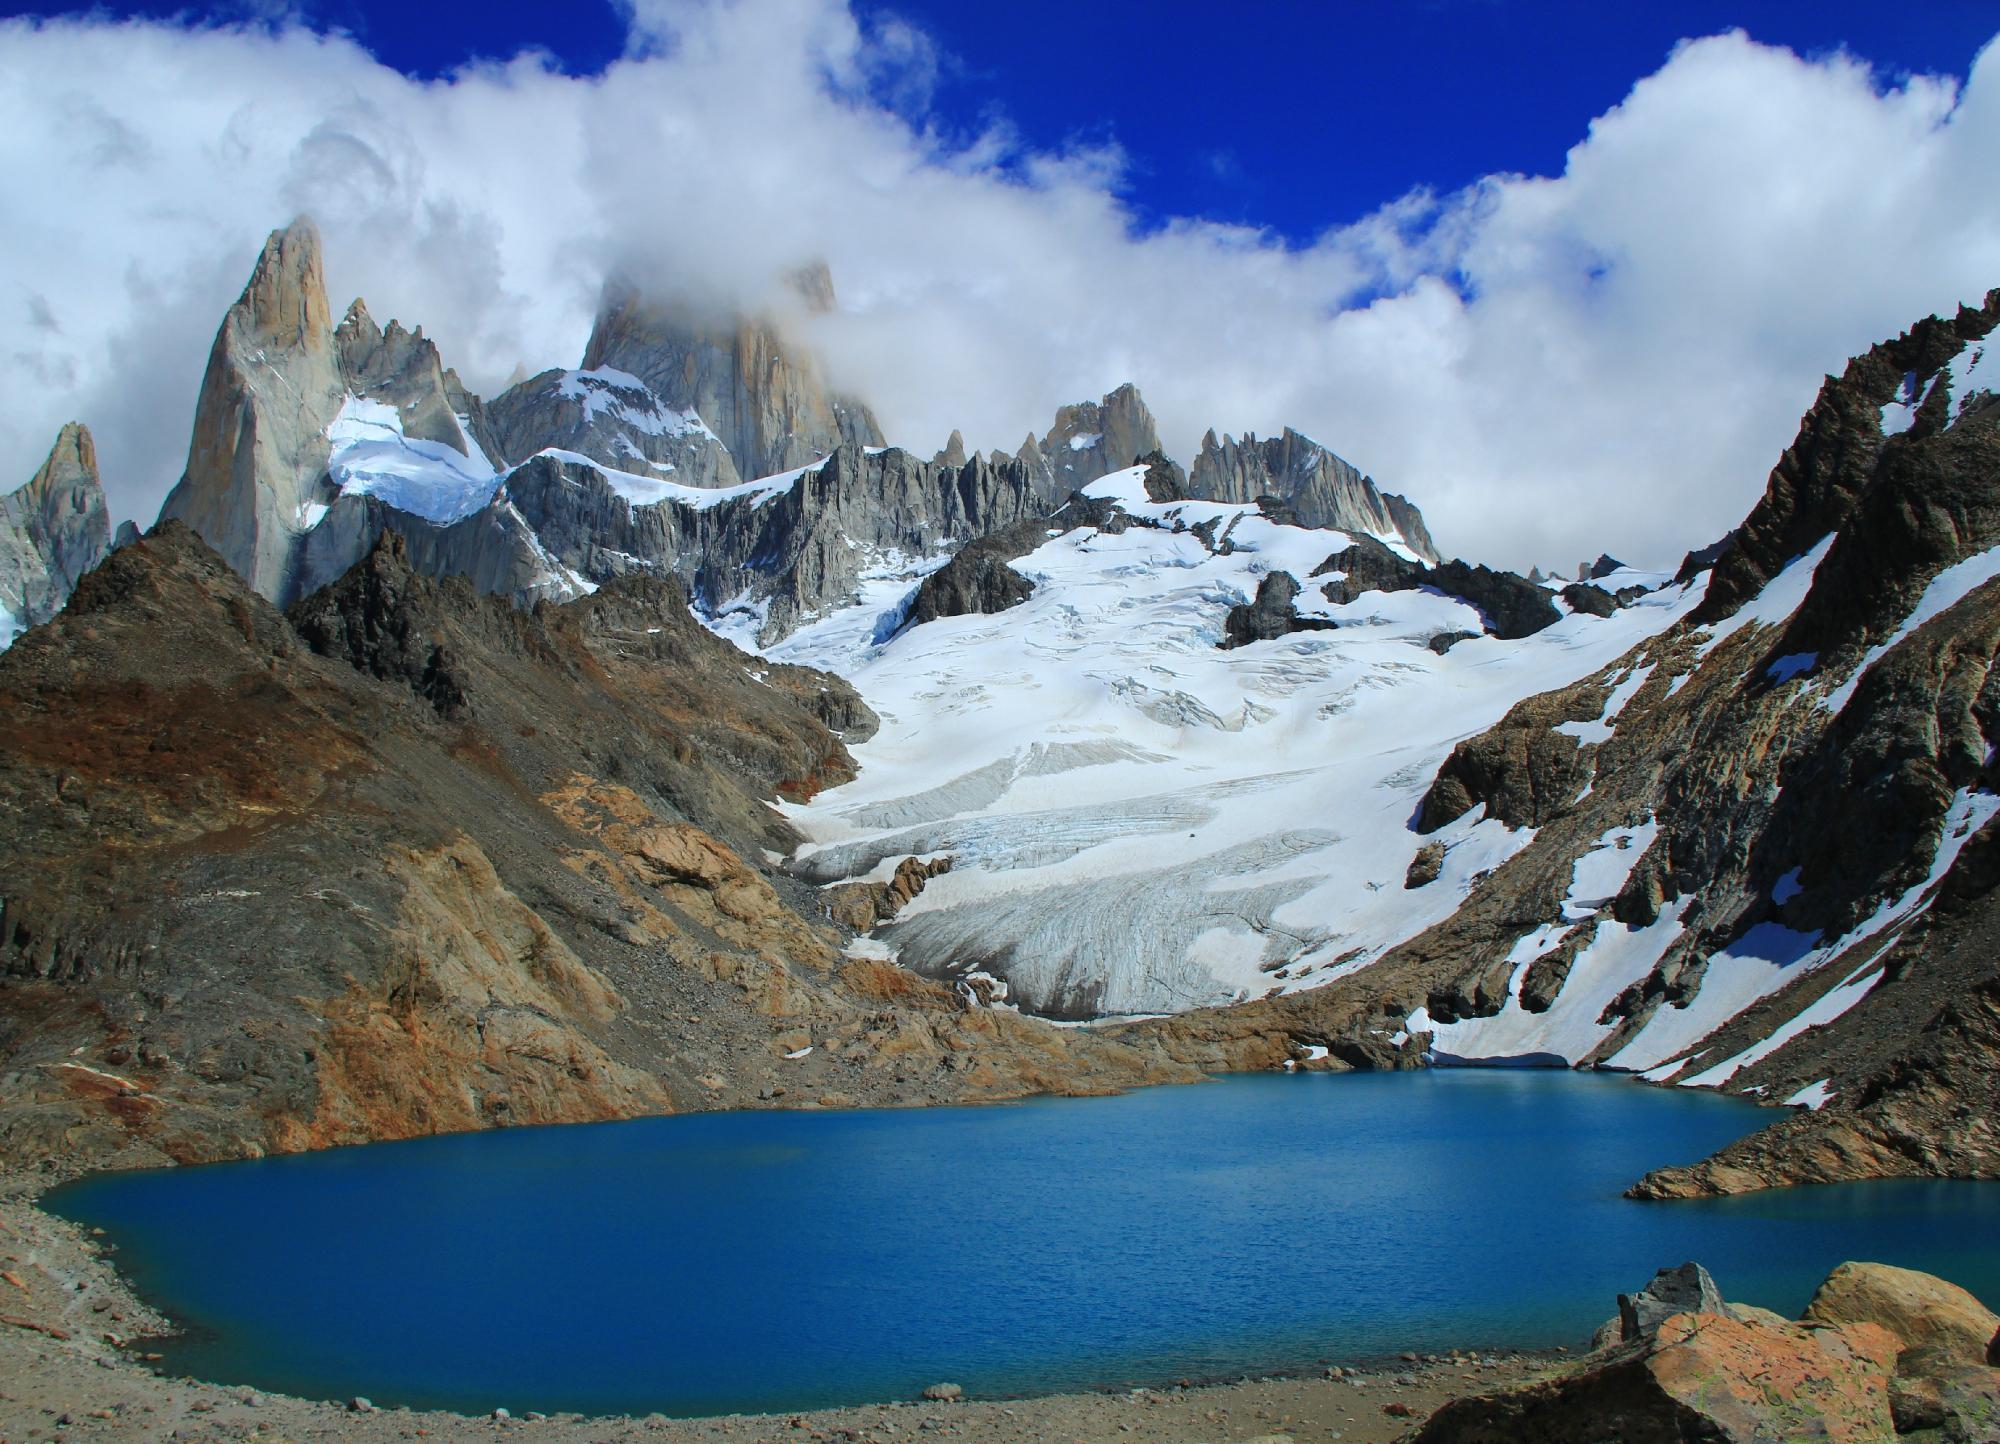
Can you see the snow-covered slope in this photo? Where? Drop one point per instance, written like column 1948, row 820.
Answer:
column 1142, row 821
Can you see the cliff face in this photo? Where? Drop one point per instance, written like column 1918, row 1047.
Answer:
column 272, row 388
column 411, row 860
column 761, row 395
column 52, row 531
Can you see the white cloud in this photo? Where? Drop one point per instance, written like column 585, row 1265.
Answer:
column 1608, row 359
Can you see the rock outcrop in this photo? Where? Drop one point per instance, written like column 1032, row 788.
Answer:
column 52, row 531
column 1270, row 615
column 1861, row 1369
column 760, row 393
column 257, row 460
column 1315, row 486
column 1092, row 439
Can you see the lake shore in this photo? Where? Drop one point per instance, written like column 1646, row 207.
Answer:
column 62, row 1301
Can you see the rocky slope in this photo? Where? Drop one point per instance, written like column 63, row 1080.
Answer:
column 1754, row 849
column 52, row 531
column 409, row 860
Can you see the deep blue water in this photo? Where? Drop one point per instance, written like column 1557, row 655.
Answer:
column 772, row 1260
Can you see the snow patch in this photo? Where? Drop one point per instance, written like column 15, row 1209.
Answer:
column 371, row 456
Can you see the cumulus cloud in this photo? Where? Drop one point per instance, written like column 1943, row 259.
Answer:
column 1609, row 359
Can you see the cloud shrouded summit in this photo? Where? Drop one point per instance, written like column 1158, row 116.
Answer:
column 1606, row 360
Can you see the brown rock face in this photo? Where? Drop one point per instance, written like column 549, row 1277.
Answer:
column 410, row 860
column 1922, row 1311
column 864, row 905
column 272, row 387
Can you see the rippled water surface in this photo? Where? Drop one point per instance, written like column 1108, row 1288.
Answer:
column 775, row 1260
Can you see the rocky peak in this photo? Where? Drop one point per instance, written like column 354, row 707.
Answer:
column 954, row 451
column 272, row 388
column 754, row 387
column 1317, row 487
column 1093, row 438
column 402, row 369
column 285, row 303
column 52, row 531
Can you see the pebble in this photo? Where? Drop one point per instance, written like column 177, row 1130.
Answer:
column 360, row 1405
column 501, row 1414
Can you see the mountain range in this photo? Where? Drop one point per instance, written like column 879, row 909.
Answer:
column 654, row 736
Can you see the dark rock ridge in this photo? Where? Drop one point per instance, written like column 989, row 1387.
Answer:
column 52, row 531
column 1509, row 606
column 977, row 579
column 411, row 860
column 1270, row 615
column 1788, row 772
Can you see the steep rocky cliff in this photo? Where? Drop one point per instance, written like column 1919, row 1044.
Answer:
column 52, row 531
column 758, row 392
column 411, row 860
column 257, row 461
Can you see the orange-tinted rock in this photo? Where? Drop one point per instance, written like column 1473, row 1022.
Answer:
column 1922, row 1311
column 1703, row 1376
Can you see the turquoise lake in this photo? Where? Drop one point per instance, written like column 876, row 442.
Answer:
column 776, row 1260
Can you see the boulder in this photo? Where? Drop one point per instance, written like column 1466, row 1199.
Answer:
column 1425, row 866
column 1684, row 1290
column 1700, row 1376
column 1926, row 1313
column 943, row 1393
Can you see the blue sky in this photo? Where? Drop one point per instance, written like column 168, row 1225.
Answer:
column 1565, row 274
column 1290, row 114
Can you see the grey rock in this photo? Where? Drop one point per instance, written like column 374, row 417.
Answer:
column 401, row 369
column 1318, row 488
column 759, row 392
column 127, row 533
column 52, row 531
column 1687, row 1289
column 795, row 555
column 943, row 1393
column 273, row 385
column 613, row 419
column 1094, row 438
